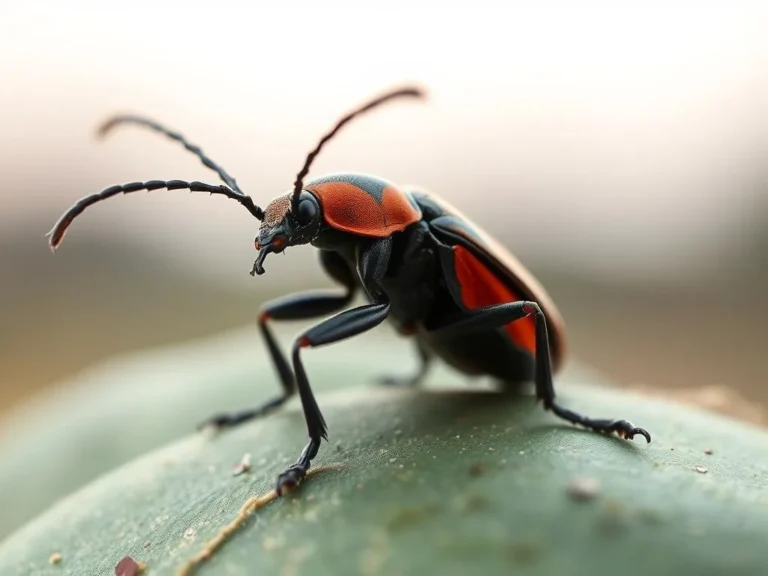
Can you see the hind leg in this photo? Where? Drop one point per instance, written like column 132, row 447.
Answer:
column 501, row 314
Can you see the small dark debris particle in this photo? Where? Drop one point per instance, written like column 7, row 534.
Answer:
column 476, row 503
column 406, row 517
column 400, row 475
column 709, row 451
column 411, row 516
column 524, row 553
column 650, row 516
column 701, row 469
column 477, row 469
column 583, row 489
column 613, row 521
column 611, row 525
column 129, row 567
column 613, row 507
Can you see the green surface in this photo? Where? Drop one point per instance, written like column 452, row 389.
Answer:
column 435, row 481
column 121, row 409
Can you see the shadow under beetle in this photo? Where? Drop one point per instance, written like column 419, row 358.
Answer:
column 420, row 263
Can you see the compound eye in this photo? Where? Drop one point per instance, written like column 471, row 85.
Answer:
column 307, row 211
column 278, row 243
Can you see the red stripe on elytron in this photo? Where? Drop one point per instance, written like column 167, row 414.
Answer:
column 480, row 287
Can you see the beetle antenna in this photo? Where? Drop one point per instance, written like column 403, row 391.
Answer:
column 60, row 228
column 411, row 91
column 173, row 135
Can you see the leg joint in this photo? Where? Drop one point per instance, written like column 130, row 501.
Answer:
column 298, row 344
column 532, row 309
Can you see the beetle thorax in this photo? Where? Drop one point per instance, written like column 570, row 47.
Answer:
column 276, row 210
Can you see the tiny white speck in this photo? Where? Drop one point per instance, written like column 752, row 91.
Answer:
column 583, row 488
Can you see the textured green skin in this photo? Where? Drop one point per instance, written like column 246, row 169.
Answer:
column 407, row 501
column 122, row 409
column 168, row 391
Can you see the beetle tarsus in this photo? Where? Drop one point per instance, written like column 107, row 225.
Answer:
column 232, row 419
column 293, row 476
column 622, row 428
column 290, row 479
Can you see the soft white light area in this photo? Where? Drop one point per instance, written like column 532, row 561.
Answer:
column 612, row 136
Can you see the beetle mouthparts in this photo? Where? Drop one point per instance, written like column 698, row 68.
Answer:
column 257, row 265
column 257, row 269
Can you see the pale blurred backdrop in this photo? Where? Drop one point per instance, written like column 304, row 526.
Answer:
column 619, row 149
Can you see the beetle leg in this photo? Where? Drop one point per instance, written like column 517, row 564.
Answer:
column 425, row 361
column 294, row 307
column 344, row 325
column 372, row 262
column 501, row 314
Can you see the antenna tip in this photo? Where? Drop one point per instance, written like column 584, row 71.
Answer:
column 107, row 125
column 53, row 241
column 102, row 130
column 412, row 90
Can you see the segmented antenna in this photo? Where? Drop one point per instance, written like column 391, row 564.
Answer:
column 173, row 135
column 60, row 228
column 411, row 91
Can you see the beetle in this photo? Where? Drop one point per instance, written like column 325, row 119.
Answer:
column 419, row 262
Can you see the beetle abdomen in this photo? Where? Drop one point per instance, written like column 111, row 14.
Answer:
column 493, row 259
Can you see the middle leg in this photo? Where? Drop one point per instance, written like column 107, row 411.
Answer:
column 409, row 380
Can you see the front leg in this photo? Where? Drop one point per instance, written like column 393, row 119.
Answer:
column 294, row 307
column 372, row 265
column 501, row 314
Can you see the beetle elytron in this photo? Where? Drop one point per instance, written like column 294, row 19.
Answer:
column 419, row 262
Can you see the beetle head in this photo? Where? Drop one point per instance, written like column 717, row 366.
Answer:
column 285, row 226
column 294, row 218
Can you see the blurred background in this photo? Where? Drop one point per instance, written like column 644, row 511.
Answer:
column 619, row 150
